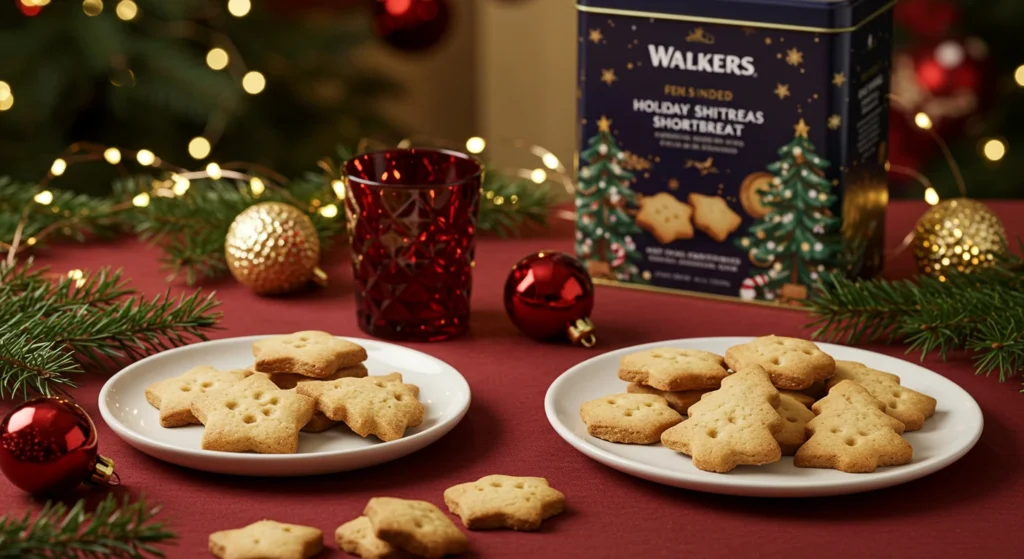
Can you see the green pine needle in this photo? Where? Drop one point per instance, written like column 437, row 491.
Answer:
column 48, row 328
column 511, row 203
column 118, row 530
column 981, row 313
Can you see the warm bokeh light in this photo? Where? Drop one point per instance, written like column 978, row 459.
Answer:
column 5, row 90
column 994, row 149
column 239, row 8
column 112, row 155
column 256, row 186
column 339, row 189
column 199, row 147
column 217, row 58
column 923, row 121
column 538, row 176
column 58, row 167
column 1019, row 75
column 329, row 211
column 253, row 82
column 213, row 171
column 7, row 102
column 76, row 274
column 126, row 10
column 145, row 157
column 141, row 200
column 44, row 198
column 181, row 184
column 550, row 161
column 476, row 144
column 931, row 196
column 92, row 7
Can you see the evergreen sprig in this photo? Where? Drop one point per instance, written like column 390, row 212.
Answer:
column 982, row 313
column 116, row 529
column 68, row 215
column 510, row 203
column 49, row 328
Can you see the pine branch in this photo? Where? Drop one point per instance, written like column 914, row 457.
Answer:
column 68, row 215
column 33, row 367
column 511, row 203
column 121, row 530
column 982, row 313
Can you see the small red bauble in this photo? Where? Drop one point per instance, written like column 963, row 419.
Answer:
column 410, row 25
column 48, row 446
column 549, row 296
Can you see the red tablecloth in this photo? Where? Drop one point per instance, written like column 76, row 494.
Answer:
column 972, row 509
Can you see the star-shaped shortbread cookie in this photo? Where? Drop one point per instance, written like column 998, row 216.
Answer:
column 793, row 364
column 498, row 501
column 356, row 537
column 418, row 527
column 712, row 215
column 909, row 406
column 378, row 405
column 173, row 396
column 628, row 418
column 673, row 369
column 665, row 217
column 253, row 416
column 267, row 539
column 310, row 353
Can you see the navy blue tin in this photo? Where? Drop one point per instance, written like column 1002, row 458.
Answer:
column 732, row 148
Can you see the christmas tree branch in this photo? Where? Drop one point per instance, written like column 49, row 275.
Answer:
column 121, row 530
column 510, row 203
column 982, row 313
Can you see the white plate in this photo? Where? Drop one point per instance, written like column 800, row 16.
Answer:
column 443, row 391
column 945, row 438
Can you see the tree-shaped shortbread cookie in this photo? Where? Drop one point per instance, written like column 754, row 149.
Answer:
column 852, row 433
column 734, row 425
column 909, row 406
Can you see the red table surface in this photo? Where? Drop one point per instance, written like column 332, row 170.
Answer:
column 972, row 508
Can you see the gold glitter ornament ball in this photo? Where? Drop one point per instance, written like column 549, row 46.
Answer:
column 273, row 248
column 959, row 234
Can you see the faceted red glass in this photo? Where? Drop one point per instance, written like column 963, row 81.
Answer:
column 412, row 223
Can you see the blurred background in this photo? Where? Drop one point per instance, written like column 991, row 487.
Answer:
column 284, row 82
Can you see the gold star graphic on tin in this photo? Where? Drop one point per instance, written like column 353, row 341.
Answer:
column 794, row 57
column 802, row 129
column 604, row 125
column 629, row 66
column 838, row 79
column 782, row 90
column 673, row 184
column 596, row 36
column 608, row 76
column 835, row 122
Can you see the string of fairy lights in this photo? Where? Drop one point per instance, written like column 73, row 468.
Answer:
column 221, row 56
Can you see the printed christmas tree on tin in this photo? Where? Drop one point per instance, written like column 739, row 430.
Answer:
column 604, row 224
column 798, row 240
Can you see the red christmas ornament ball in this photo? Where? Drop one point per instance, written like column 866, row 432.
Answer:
column 549, row 296
column 48, row 446
column 411, row 25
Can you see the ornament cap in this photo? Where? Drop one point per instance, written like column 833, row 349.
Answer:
column 103, row 472
column 583, row 332
column 319, row 276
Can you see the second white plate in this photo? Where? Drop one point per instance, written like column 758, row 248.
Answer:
column 945, row 438
column 122, row 402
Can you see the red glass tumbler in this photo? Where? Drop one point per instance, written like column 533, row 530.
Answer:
column 412, row 217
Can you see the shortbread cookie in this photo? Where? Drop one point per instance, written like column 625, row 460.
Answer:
column 909, row 406
column 267, row 539
column 310, row 353
column 628, row 418
column 732, row 426
column 319, row 423
column 173, row 396
column 792, row 363
column 673, row 369
column 253, row 416
column 806, row 399
column 679, row 401
column 498, row 501
column 712, row 215
column 665, row 217
column 852, row 433
column 795, row 416
column 383, row 406
column 356, row 537
column 415, row 526
column 288, row 381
